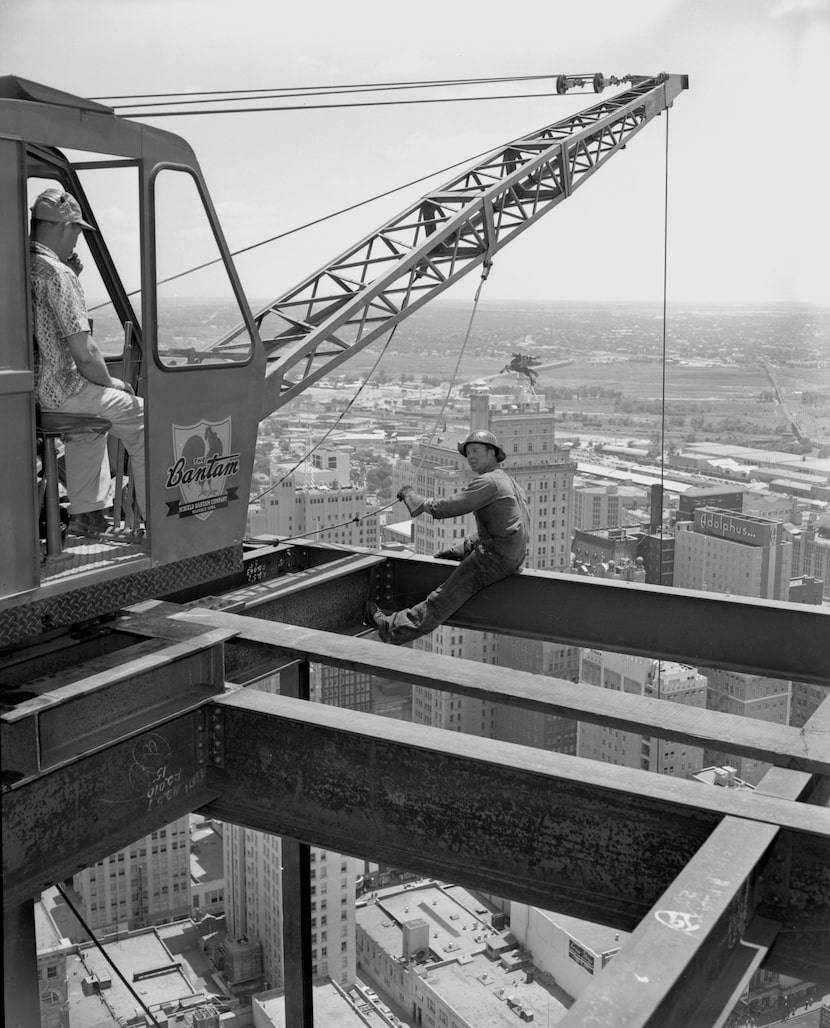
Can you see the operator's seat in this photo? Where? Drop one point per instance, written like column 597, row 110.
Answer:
column 50, row 425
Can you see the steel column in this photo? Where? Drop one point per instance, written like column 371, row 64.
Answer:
column 296, row 899
column 21, row 988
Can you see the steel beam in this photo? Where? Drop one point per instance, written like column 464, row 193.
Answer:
column 703, row 629
column 588, row 839
column 69, row 713
column 778, row 744
column 71, row 817
column 688, row 951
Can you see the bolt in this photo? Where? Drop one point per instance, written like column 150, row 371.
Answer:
column 777, row 879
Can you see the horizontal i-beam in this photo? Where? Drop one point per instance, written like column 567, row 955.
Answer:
column 806, row 749
column 75, row 815
column 592, row 840
column 763, row 637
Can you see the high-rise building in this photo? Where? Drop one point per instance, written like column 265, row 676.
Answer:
column 599, row 506
column 253, row 892
column 527, row 728
column 145, row 883
column 316, row 501
column 811, row 551
column 755, row 696
column 658, row 679
column 733, row 553
column 729, row 498
column 254, row 908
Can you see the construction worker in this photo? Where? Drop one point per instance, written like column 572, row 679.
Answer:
column 495, row 551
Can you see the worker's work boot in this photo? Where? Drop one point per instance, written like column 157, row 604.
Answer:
column 374, row 616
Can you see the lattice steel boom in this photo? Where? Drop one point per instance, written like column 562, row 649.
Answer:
column 362, row 294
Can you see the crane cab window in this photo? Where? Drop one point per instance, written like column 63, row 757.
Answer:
column 198, row 312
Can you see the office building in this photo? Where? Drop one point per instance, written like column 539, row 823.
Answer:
column 434, row 952
column 601, row 506
column 733, row 553
column 147, row 883
column 731, row 498
column 811, row 550
column 755, row 696
column 316, row 502
column 529, row 728
column 642, row 676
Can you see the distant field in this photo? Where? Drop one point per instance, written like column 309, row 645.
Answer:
column 641, row 380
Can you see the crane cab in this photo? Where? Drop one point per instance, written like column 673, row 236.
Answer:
column 143, row 190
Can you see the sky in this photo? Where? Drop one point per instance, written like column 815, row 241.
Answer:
column 748, row 213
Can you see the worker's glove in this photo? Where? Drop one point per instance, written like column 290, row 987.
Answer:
column 73, row 262
column 414, row 501
column 454, row 553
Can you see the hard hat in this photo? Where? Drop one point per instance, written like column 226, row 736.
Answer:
column 487, row 439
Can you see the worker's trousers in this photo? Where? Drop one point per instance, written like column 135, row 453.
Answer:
column 88, row 479
column 481, row 568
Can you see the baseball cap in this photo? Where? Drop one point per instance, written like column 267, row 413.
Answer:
column 59, row 206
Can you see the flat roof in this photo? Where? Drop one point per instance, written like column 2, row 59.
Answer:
column 142, row 954
column 331, row 1008
column 482, row 991
column 454, row 929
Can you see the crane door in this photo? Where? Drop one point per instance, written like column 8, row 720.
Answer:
column 202, row 402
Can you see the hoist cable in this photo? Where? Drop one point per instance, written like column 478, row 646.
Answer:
column 354, row 103
column 342, row 88
column 342, row 415
column 663, row 396
column 377, row 510
column 307, row 224
column 104, row 953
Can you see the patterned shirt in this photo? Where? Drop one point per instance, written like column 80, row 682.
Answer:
column 58, row 311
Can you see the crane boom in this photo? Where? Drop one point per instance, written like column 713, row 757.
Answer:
column 375, row 284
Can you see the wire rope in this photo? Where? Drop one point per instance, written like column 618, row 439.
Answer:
column 663, row 393
column 354, row 103
column 104, row 953
column 343, row 87
column 487, row 265
column 307, row 224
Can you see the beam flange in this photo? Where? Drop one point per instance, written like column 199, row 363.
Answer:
column 778, row 744
column 703, row 629
column 596, row 841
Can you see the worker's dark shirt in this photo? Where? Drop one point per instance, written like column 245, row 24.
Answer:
column 499, row 505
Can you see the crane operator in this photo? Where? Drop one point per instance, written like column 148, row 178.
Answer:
column 496, row 550
column 71, row 375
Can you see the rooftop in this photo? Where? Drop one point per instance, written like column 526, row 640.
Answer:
column 484, row 993
column 331, row 1008
column 145, row 962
